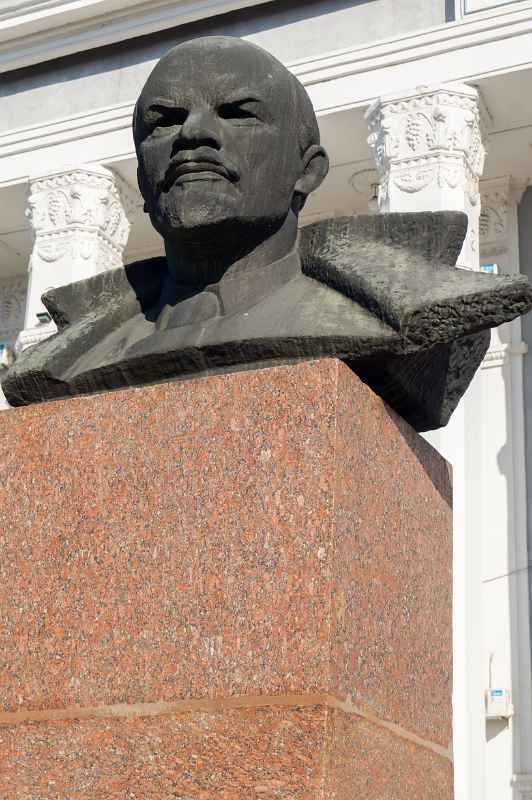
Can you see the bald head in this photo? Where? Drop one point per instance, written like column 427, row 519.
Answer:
column 198, row 60
column 225, row 134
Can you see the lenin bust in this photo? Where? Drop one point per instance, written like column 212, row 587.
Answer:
column 228, row 151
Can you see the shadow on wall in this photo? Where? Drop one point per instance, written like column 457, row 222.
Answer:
column 494, row 727
column 436, row 470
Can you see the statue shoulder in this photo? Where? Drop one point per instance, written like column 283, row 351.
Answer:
column 137, row 282
column 401, row 268
column 433, row 235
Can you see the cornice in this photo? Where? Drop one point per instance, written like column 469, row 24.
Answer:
column 320, row 70
column 440, row 40
column 15, row 9
column 330, row 78
column 67, row 129
column 33, row 31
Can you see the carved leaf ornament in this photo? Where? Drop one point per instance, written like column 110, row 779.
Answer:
column 411, row 182
column 80, row 215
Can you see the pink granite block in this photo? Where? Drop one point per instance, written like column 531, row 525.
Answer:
column 311, row 753
column 391, row 634
column 367, row 761
column 258, row 533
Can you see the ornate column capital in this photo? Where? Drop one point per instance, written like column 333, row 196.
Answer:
column 80, row 218
column 498, row 198
column 432, row 134
column 82, row 214
column 428, row 150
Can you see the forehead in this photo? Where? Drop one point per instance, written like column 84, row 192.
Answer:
column 217, row 72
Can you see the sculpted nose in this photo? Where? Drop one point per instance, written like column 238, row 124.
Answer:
column 200, row 129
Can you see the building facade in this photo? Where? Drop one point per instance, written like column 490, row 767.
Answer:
column 421, row 106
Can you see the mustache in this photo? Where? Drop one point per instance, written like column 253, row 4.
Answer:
column 199, row 160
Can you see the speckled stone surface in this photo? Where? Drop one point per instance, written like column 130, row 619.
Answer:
column 261, row 533
column 392, row 567
column 311, row 753
column 365, row 762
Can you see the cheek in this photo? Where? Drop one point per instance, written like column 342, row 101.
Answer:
column 270, row 160
column 250, row 146
column 154, row 158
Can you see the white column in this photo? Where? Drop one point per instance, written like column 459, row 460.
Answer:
column 505, row 559
column 80, row 219
column 428, row 149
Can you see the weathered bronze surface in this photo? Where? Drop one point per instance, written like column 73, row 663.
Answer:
column 228, row 151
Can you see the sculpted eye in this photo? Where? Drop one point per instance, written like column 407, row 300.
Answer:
column 165, row 117
column 239, row 110
column 179, row 116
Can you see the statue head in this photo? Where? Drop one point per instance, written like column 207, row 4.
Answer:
column 227, row 142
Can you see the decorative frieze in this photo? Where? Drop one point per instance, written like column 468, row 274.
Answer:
column 429, row 155
column 499, row 199
column 494, row 218
column 81, row 214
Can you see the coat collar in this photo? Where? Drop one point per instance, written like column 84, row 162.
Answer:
column 399, row 267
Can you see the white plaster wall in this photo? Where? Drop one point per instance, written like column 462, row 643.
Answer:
column 460, row 442
column 501, row 525
column 496, row 483
column 492, row 597
column 523, row 575
column 290, row 29
column 525, row 251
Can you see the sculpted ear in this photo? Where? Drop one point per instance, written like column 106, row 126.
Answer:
column 315, row 169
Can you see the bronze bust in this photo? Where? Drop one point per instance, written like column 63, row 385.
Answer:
column 228, row 150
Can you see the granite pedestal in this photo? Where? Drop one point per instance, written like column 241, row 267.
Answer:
column 232, row 587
